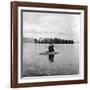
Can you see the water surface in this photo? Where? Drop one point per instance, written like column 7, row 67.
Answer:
column 66, row 62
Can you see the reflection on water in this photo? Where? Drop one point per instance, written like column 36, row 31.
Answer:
column 36, row 61
column 51, row 58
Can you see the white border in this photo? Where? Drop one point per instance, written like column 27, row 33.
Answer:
column 51, row 78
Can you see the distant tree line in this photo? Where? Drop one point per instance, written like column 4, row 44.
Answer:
column 54, row 41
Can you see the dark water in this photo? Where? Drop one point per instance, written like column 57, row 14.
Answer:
column 66, row 62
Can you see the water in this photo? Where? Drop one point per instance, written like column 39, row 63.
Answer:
column 66, row 62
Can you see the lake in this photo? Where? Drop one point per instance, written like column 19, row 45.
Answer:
column 66, row 62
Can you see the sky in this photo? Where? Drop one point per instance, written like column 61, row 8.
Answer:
column 50, row 25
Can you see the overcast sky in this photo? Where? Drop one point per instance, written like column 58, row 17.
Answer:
column 64, row 26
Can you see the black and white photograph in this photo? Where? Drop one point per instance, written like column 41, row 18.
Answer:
column 51, row 43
